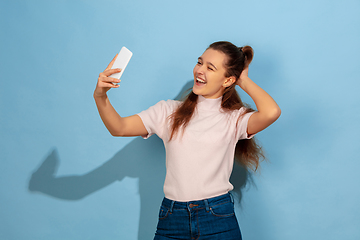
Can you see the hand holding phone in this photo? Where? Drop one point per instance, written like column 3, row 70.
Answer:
column 105, row 81
column 121, row 62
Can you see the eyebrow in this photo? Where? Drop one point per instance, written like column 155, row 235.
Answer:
column 200, row 58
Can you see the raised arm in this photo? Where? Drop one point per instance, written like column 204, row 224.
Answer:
column 117, row 125
column 267, row 109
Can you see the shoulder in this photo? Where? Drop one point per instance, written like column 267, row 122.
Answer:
column 172, row 103
column 240, row 115
column 162, row 107
column 239, row 112
column 168, row 105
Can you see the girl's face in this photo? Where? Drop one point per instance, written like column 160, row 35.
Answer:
column 209, row 74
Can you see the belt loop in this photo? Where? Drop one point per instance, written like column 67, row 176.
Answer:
column 171, row 206
column 207, row 205
column 232, row 198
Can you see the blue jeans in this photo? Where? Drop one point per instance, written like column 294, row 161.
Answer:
column 212, row 218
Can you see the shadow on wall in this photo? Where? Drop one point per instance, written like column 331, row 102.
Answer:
column 148, row 165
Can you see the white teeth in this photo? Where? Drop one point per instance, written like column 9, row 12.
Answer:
column 200, row 80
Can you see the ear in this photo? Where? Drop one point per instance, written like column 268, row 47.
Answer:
column 229, row 81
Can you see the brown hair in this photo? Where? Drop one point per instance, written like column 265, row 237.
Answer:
column 247, row 151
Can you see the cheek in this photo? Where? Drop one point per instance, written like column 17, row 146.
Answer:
column 218, row 79
column 195, row 69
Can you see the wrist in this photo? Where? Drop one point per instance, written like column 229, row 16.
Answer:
column 243, row 82
column 98, row 95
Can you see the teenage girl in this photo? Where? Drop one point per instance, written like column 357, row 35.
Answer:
column 201, row 135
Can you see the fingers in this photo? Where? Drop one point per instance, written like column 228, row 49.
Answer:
column 111, row 63
column 108, row 79
column 106, row 82
column 108, row 85
column 108, row 72
column 245, row 72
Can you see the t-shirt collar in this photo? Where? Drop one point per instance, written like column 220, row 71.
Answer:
column 209, row 103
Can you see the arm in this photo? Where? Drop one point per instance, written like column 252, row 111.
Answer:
column 267, row 109
column 117, row 125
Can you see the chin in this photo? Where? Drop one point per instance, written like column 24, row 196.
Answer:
column 195, row 91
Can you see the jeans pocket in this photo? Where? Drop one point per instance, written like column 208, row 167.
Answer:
column 223, row 210
column 163, row 213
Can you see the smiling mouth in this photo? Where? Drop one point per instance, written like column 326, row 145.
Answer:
column 200, row 81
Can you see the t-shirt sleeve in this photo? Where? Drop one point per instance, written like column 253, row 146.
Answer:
column 242, row 124
column 155, row 118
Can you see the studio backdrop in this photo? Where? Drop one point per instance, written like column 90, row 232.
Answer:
column 63, row 176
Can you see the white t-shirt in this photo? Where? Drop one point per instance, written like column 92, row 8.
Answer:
column 199, row 161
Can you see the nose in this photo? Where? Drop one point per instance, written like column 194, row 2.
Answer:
column 200, row 69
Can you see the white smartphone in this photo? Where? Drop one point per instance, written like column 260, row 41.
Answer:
column 121, row 62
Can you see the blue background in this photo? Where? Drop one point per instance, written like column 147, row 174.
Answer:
column 63, row 176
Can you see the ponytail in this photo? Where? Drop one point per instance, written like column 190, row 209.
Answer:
column 248, row 55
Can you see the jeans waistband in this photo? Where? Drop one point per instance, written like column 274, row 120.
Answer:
column 205, row 203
